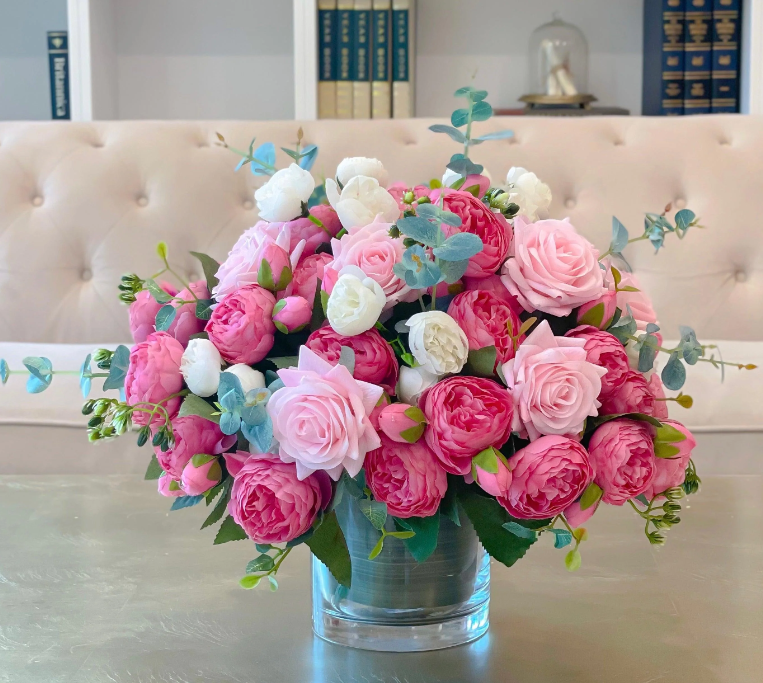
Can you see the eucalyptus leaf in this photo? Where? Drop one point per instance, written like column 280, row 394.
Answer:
column 481, row 111
column 674, row 373
column 186, row 502
column 347, row 358
column 120, row 361
column 421, row 230
column 454, row 133
column 165, row 317
column 204, row 308
column 5, row 371
column 460, row 117
column 267, row 154
column 562, row 538
column 497, row 135
column 452, row 271
column 458, row 247
column 619, row 236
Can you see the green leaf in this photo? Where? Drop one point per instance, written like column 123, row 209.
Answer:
column 165, row 317
column 273, row 583
column 229, row 531
column 593, row 316
column 195, row 405
column 328, row 546
column 674, row 373
column 162, row 251
column 482, row 361
column 319, row 315
column 481, row 111
column 265, row 276
column 347, row 358
column 562, row 538
column 684, row 219
column 375, row 511
column 413, row 434
column 204, row 308
column 40, row 367
column 487, row 460
column 460, row 117
column 669, row 434
column 250, row 582
column 449, row 504
column 5, row 371
column 425, row 533
column 619, row 236
column 160, row 296
column 452, row 271
column 464, row 167
column 201, row 459
column 219, row 510
column 120, row 361
column 590, row 496
column 519, row 530
column 665, row 450
column 573, row 560
column 647, row 353
column 454, row 133
column 210, row 267
column 285, row 362
column 416, row 414
column 263, row 563
column 458, row 247
column 185, row 502
column 376, row 550
column 154, row 470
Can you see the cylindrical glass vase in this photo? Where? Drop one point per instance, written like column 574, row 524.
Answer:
column 396, row 604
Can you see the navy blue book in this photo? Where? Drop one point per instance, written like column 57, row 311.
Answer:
column 328, row 62
column 58, row 61
column 663, row 81
column 725, row 70
column 698, row 46
column 381, row 75
column 361, row 60
column 345, row 11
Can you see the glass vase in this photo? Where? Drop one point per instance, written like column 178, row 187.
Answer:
column 397, row 604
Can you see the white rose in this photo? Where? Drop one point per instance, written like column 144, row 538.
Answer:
column 249, row 377
column 355, row 302
column 361, row 200
column 413, row 382
column 527, row 191
column 200, row 365
column 450, row 177
column 281, row 198
column 437, row 343
column 355, row 166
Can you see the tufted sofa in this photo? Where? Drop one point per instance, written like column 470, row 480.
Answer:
column 81, row 204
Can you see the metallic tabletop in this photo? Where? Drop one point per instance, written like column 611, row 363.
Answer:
column 99, row 582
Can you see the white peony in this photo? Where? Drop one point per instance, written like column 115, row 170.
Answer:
column 355, row 166
column 449, row 178
column 413, row 382
column 249, row 377
column 437, row 343
column 355, row 303
column 527, row 191
column 361, row 201
column 281, row 198
column 200, row 365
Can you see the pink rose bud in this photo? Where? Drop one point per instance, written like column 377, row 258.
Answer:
column 598, row 313
column 671, row 472
column 491, row 472
column 292, row 314
column 576, row 515
column 274, row 272
column 402, row 423
column 201, row 474
column 186, row 323
column 170, row 487
column 143, row 310
column 481, row 182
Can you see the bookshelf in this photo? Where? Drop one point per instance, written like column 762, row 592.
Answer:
column 256, row 59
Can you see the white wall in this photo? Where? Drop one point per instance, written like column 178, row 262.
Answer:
column 24, row 77
column 491, row 38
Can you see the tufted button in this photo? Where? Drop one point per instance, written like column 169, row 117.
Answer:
column 513, row 140
column 680, row 203
column 570, row 203
column 740, row 275
column 725, row 143
column 37, row 200
column 619, row 143
column 408, row 143
column 142, row 201
column 248, row 204
column 86, row 274
column 98, row 144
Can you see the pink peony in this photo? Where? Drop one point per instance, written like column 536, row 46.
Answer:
column 599, row 312
column 547, row 476
column 164, row 484
column 321, row 417
column 312, row 234
column 392, row 421
column 198, row 480
column 306, row 276
column 375, row 362
column 495, row 483
column 486, row 320
column 193, row 435
column 660, row 409
column 639, row 302
column 605, row 350
column 577, row 516
column 622, row 455
column 407, row 477
column 493, row 285
column 554, row 269
column 153, row 376
column 271, row 504
column 671, row 472
column 465, row 416
column 292, row 313
column 186, row 323
column 241, row 326
column 554, row 386
column 399, row 189
column 143, row 312
column 632, row 396
column 478, row 219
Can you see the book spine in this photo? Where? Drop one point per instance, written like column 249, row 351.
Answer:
column 698, row 53
column 327, row 59
column 381, row 77
column 402, row 59
column 361, row 67
column 345, row 9
column 672, row 61
column 725, row 72
column 58, row 62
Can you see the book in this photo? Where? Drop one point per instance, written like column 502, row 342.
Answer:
column 698, row 53
column 663, row 78
column 725, row 56
column 361, row 60
column 345, row 9
column 381, row 76
column 403, row 32
column 327, row 59
column 58, row 62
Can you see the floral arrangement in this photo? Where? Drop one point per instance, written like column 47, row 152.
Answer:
column 431, row 351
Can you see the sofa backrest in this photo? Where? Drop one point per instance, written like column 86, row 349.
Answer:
column 83, row 203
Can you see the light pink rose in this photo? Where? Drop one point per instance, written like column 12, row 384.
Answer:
column 392, row 421
column 193, row 435
column 306, row 276
column 576, row 516
column 602, row 316
column 622, row 455
column 495, row 483
column 153, row 376
column 639, row 302
column 165, row 490
column 547, row 477
column 671, row 472
column 553, row 269
column 143, row 312
column 465, row 416
column 186, row 323
column 407, row 477
column 605, row 350
column 554, row 386
column 632, row 396
column 271, row 504
column 198, row 480
column 321, row 417
column 493, row 285
column 486, row 320
column 375, row 362
column 312, row 234
column 292, row 313
column 241, row 326
column 660, row 409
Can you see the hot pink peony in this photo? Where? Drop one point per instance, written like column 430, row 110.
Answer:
column 241, row 326
column 306, row 275
column 407, row 477
column 553, row 269
column 632, row 396
column 321, row 417
column 392, row 421
column 486, row 320
column 198, row 480
column 186, row 323
column 164, row 484
column 271, row 504
column 605, row 350
column 554, row 386
column 622, row 455
column 375, row 362
column 547, row 476
column 153, row 376
column 193, row 435
column 143, row 312
column 292, row 313
column 660, row 410
column 312, row 234
column 493, row 285
column 465, row 416
column 671, row 472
